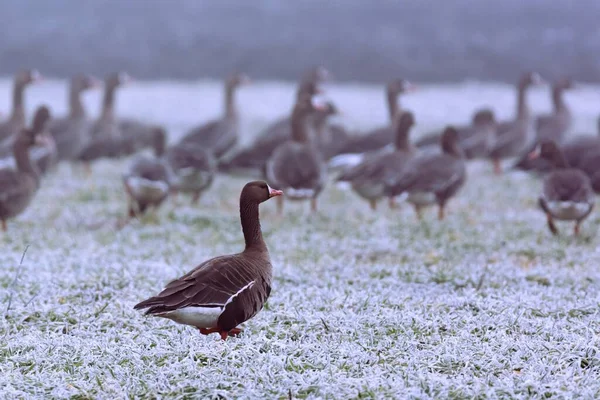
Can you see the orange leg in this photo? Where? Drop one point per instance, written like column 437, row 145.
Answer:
column 576, row 228
column 87, row 169
column 418, row 211
column 373, row 204
column 313, row 204
column 441, row 213
column 392, row 203
column 196, row 198
column 4, row 227
column 224, row 334
column 551, row 225
column 279, row 205
column 497, row 167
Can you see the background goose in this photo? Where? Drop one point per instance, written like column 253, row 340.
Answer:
column 330, row 137
column 16, row 120
column 549, row 127
column 577, row 148
column 512, row 137
column 368, row 179
column 191, row 169
column 147, row 181
column 433, row 179
column 251, row 161
column 221, row 135
column 475, row 139
column 223, row 292
column 18, row 186
column 380, row 137
column 567, row 194
column 297, row 166
column 106, row 139
column 72, row 132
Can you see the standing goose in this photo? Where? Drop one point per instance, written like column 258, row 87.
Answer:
column 330, row 137
column 72, row 132
column 369, row 178
column 223, row 292
column 380, row 137
column 434, row 178
column 512, row 136
column 251, row 160
column 221, row 135
column 297, row 166
column 567, row 194
column 191, row 169
column 18, row 186
column 16, row 121
column 577, row 149
column 549, row 127
column 475, row 139
column 106, row 139
column 147, row 181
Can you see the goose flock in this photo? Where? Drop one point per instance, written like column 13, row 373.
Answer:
column 295, row 159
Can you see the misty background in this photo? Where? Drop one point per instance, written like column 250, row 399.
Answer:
column 358, row 40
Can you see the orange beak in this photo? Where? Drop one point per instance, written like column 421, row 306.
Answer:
column 534, row 154
column 274, row 192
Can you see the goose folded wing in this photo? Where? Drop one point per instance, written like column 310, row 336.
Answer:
column 212, row 284
column 10, row 184
column 432, row 174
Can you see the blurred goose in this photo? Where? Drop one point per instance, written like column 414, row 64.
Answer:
column 221, row 135
column 512, row 137
column 16, row 121
column 18, row 186
column 191, row 169
column 223, row 292
column 549, row 127
column 43, row 154
column 147, row 181
column 378, row 138
column 330, row 137
column 433, row 178
column 475, row 140
column 106, row 139
column 297, row 166
column 251, row 160
column 567, row 194
column 72, row 132
column 369, row 178
column 576, row 149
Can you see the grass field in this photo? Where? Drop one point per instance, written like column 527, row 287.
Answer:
column 364, row 305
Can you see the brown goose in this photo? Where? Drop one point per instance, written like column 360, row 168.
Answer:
column 18, row 186
column 567, row 194
column 251, row 161
column 549, row 127
column 381, row 137
column 147, row 181
column 512, row 136
column 330, row 137
column 297, row 166
column 191, row 169
column 223, row 292
column 106, row 139
column 576, row 149
column 72, row 132
column 221, row 135
column 16, row 121
column 475, row 139
column 370, row 177
column 433, row 178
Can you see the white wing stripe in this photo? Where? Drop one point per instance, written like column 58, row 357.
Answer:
column 248, row 286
